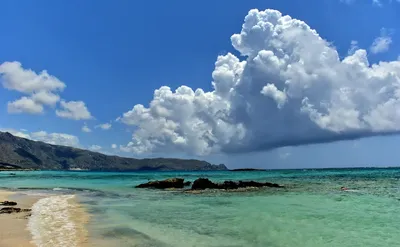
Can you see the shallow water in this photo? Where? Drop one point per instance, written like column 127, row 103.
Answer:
column 310, row 211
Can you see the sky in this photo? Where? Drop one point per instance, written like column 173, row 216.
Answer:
column 264, row 84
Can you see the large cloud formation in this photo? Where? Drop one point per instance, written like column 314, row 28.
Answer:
column 292, row 89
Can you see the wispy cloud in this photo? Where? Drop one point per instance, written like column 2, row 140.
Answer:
column 105, row 126
column 382, row 43
column 86, row 129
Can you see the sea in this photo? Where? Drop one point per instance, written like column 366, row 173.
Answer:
column 311, row 211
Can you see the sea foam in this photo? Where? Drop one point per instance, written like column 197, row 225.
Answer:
column 51, row 222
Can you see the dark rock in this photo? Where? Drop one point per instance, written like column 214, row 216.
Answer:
column 8, row 203
column 229, row 185
column 10, row 210
column 244, row 184
column 248, row 170
column 188, row 183
column 203, row 183
column 164, row 184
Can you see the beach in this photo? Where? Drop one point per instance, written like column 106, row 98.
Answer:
column 13, row 227
column 55, row 220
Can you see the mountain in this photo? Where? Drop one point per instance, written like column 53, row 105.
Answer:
column 21, row 153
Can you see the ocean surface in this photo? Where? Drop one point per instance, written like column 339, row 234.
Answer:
column 310, row 211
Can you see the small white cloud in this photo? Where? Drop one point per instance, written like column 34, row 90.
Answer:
column 128, row 149
column 377, row 2
column 353, row 47
column 56, row 138
column 113, row 146
column 24, row 105
column 16, row 133
column 95, row 148
column 75, row 110
column 105, row 126
column 26, row 81
column 86, row 129
column 381, row 44
column 374, row 2
column 50, row 138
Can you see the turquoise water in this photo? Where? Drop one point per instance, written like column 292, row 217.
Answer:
column 310, row 211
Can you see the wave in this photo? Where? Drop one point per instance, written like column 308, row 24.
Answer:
column 51, row 223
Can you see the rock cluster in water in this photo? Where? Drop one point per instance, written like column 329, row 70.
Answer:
column 204, row 183
column 165, row 184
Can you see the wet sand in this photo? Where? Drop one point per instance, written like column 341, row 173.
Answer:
column 13, row 231
column 81, row 218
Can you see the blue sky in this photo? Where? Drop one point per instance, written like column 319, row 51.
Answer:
column 112, row 56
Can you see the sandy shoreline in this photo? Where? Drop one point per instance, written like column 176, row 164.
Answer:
column 13, row 231
column 13, row 227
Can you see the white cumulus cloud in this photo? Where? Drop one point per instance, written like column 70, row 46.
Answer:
column 105, row 126
column 75, row 110
column 17, row 133
column 381, row 43
column 40, row 90
column 113, row 146
column 56, row 138
column 26, row 81
column 50, row 138
column 277, row 95
column 291, row 89
column 25, row 105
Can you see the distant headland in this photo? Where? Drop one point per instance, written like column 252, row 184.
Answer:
column 18, row 153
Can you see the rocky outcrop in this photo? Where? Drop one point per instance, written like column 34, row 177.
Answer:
column 8, row 203
column 164, row 184
column 205, row 183
column 10, row 210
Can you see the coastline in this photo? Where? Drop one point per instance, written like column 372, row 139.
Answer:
column 14, row 227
